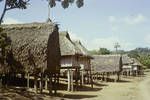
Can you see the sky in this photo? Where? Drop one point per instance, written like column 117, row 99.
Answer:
column 98, row 24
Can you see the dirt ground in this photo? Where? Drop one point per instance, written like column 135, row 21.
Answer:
column 131, row 88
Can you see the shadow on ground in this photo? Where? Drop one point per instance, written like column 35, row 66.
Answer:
column 70, row 96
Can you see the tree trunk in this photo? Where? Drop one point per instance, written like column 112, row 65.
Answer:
column 3, row 13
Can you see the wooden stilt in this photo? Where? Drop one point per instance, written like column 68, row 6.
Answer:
column 82, row 77
column 55, row 84
column 35, row 84
column 41, row 83
column 46, row 82
column 28, row 80
column 69, row 81
column 91, row 79
column 57, row 81
column 50, row 84
column 0, row 80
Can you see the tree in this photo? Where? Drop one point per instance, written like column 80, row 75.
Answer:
column 22, row 4
column 12, row 4
column 142, row 54
column 103, row 51
column 65, row 3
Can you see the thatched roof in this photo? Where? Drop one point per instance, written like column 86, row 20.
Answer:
column 136, row 62
column 106, row 63
column 82, row 49
column 34, row 45
column 67, row 46
column 126, row 60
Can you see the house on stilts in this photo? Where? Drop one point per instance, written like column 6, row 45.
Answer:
column 131, row 66
column 106, row 67
column 35, row 50
column 73, row 61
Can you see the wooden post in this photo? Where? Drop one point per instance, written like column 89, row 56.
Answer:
column 0, row 80
column 41, row 83
column 69, row 81
column 35, row 84
column 118, row 76
column 91, row 79
column 28, row 80
column 55, row 85
column 57, row 80
column 82, row 77
column 46, row 82
column 103, row 78
column 50, row 84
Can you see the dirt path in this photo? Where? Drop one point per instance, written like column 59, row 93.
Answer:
column 132, row 88
column 135, row 89
column 144, row 87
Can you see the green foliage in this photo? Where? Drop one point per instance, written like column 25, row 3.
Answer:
column 12, row 4
column 21, row 4
column 65, row 3
column 142, row 54
column 133, row 54
column 145, row 60
column 101, row 51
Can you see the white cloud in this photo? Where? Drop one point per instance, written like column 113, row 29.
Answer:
column 112, row 19
column 130, row 19
column 109, row 42
column 136, row 19
column 11, row 21
column 147, row 39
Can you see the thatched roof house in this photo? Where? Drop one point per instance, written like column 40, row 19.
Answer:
column 34, row 46
column 107, row 63
column 69, row 52
column 127, row 63
column 136, row 65
column 85, row 59
column 126, row 60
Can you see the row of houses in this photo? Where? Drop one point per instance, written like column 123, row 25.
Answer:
column 41, row 52
column 105, row 66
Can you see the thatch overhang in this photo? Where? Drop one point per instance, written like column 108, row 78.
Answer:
column 67, row 46
column 126, row 60
column 34, row 46
column 82, row 49
column 136, row 62
column 107, row 63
